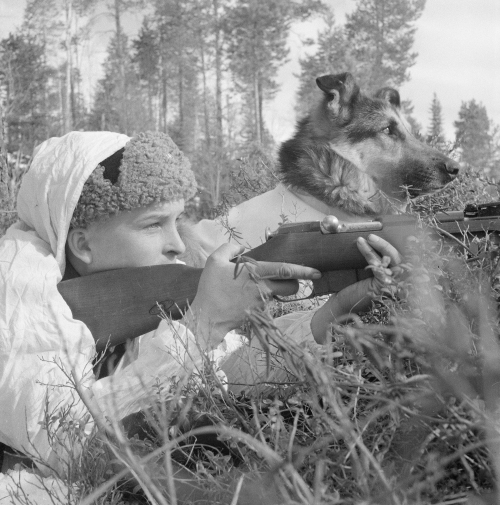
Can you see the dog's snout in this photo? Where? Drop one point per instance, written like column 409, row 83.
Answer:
column 452, row 167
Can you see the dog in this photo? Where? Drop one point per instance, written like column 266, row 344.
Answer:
column 352, row 156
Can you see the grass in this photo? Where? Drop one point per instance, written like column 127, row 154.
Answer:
column 399, row 408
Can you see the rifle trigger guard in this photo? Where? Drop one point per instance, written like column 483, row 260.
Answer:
column 283, row 300
column 161, row 307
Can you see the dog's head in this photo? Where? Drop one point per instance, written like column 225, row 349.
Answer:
column 353, row 146
column 372, row 133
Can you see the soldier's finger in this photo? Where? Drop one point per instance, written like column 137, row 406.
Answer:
column 283, row 271
column 227, row 252
column 371, row 256
column 384, row 248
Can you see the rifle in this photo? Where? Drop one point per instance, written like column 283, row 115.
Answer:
column 117, row 305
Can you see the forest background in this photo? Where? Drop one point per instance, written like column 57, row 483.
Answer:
column 204, row 71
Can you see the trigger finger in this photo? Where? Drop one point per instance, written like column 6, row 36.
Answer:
column 368, row 252
column 285, row 271
column 384, row 248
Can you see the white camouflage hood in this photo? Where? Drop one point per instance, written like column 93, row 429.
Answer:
column 51, row 188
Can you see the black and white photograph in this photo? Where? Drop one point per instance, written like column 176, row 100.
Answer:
column 249, row 252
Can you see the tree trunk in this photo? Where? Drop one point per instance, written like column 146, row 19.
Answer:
column 72, row 100
column 164, row 97
column 261, row 115
column 217, row 187
column 61, row 102
column 180, row 84
column 229, row 121
column 258, row 132
column 151, row 120
column 218, row 78
column 4, row 172
column 121, row 68
column 205, row 96
column 67, row 109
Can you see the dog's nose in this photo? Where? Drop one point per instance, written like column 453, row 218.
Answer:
column 452, row 167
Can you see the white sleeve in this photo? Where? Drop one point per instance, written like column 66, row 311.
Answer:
column 166, row 355
column 40, row 345
column 296, row 326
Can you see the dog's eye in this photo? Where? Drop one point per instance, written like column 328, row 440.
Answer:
column 387, row 131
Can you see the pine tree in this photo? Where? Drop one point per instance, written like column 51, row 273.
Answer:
column 257, row 35
column 178, row 23
column 435, row 130
column 147, row 61
column 332, row 56
column 25, row 114
column 43, row 24
column 256, row 45
column 374, row 45
column 122, row 59
column 56, row 24
column 28, row 99
column 473, row 131
column 113, row 110
column 381, row 34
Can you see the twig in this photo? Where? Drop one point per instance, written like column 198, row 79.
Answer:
column 449, row 235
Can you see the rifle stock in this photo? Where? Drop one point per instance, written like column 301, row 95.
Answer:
column 120, row 304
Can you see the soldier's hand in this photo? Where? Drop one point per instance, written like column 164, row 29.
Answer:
column 228, row 291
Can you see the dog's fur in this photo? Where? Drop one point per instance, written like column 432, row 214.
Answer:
column 353, row 156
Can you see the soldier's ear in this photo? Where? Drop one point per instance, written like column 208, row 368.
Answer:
column 389, row 95
column 340, row 89
column 78, row 245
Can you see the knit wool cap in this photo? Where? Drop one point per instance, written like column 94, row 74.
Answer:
column 153, row 169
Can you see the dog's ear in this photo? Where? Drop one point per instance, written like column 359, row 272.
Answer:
column 341, row 90
column 389, row 95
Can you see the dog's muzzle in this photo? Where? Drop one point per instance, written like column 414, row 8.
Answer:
column 452, row 168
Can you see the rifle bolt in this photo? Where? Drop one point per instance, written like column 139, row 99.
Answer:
column 330, row 224
column 270, row 234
